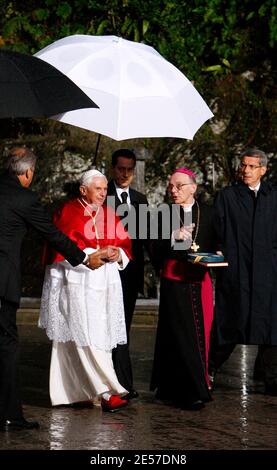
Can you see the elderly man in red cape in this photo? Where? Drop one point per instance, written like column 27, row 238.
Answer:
column 82, row 310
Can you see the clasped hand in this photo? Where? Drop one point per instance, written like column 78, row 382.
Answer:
column 108, row 254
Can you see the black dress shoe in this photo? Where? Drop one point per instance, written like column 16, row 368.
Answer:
column 163, row 395
column 271, row 389
column 258, row 375
column 16, row 425
column 131, row 395
column 194, row 406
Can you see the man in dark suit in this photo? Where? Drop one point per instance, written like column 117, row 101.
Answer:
column 19, row 208
column 132, row 278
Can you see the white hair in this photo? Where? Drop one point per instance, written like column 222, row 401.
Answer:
column 19, row 160
column 89, row 175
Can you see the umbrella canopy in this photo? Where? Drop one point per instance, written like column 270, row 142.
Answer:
column 29, row 87
column 140, row 94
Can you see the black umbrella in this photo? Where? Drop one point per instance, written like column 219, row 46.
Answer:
column 31, row 87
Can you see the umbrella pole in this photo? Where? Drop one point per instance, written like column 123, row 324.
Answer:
column 96, row 150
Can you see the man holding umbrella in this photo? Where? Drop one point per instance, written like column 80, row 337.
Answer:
column 19, row 208
column 121, row 194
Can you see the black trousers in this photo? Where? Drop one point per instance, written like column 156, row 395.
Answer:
column 265, row 367
column 10, row 401
column 121, row 354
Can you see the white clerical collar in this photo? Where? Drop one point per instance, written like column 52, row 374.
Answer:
column 188, row 207
column 256, row 188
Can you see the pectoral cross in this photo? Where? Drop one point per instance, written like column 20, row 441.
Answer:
column 194, row 247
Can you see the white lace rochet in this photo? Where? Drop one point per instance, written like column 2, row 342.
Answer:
column 84, row 306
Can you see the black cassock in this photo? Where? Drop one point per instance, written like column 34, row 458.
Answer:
column 179, row 368
column 246, row 291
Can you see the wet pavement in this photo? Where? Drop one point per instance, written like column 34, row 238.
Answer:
column 240, row 417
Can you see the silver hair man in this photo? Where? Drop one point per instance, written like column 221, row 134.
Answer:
column 20, row 159
column 255, row 153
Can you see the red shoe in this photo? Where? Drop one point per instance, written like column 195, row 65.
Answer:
column 113, row 404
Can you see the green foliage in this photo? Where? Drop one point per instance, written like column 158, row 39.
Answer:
column 41, row 14
column 64, row 10
column 224, row 46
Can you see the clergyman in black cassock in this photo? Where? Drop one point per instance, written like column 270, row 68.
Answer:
column 179, row 372
column 246, row 291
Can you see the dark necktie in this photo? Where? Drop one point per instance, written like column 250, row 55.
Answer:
column 124, row 197
column 255, row 192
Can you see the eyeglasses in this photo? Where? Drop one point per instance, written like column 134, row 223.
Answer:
column 243, row 166
column 178, row 187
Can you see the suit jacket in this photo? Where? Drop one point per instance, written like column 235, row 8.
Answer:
column 138, row 245
column 20, row 208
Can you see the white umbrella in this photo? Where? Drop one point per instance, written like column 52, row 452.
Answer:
column 139, row 93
